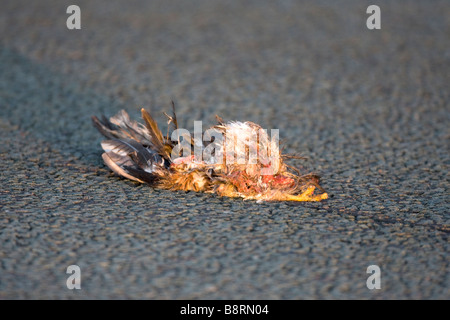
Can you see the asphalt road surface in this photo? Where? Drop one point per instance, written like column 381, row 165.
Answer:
column 368, row 108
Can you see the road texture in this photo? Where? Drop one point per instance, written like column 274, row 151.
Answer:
column 368, row 108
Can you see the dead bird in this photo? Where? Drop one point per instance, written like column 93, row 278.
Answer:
column 240, row 160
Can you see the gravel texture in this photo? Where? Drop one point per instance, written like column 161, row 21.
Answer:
column 369, row 108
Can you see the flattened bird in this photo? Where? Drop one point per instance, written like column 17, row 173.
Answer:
column 240, row 160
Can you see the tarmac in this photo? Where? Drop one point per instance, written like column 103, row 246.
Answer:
column 368, row 108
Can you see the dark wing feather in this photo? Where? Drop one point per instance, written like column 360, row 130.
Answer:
column 104, row 127
column 157, row 138
column 115, row 163
column 130, row 159
column 131, row 129
column 133, row 150
column 142, row 175
column 122, row 127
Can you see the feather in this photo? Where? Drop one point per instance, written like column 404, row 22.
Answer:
column 219, row 120
column 116, row 168
column 117, row 146
column 142, row 157
column 104, row 127
column 142, row 175
column 172, row 119
column 130, row 129
column 157, row 138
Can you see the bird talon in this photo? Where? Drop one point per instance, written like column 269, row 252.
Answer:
column 307, row 195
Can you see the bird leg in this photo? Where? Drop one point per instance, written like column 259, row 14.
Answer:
column 307, row 195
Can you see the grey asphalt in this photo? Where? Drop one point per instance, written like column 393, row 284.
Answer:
column 369, row 108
